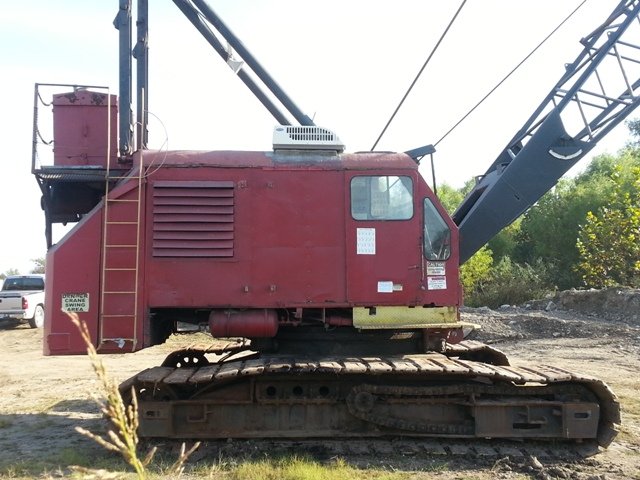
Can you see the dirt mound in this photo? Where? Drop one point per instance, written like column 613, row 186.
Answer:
column 615, row 303
column 608, row 315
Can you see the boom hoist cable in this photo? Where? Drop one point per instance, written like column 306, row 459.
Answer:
column 504, row 79
column 415, row 80
column 418, row 153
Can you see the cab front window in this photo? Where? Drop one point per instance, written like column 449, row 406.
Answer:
column 437, row 235
column 381, row 197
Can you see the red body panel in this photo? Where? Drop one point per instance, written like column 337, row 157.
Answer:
column 84, row 129
column 75, row 265
column 242, row 230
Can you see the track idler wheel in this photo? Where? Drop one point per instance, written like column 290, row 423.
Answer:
column 363, row 402
column 186, row 358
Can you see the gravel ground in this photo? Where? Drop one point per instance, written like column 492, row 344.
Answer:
column 597, row 333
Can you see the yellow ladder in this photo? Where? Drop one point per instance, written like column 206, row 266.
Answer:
column 120, row 262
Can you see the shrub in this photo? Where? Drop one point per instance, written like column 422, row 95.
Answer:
column 609, row 240
column 512, row 283
column 476, row 271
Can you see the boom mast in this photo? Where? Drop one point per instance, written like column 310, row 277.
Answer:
column 598, row 90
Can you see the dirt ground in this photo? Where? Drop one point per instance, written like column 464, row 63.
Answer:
column 598, row 333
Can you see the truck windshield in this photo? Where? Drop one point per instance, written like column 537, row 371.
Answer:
column 26, row 283
column 381, row 198
column 437, row 235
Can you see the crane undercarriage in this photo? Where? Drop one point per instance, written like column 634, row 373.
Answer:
column 246, row 394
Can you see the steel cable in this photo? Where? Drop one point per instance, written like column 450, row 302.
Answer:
column 510, row 73
column 419, row 73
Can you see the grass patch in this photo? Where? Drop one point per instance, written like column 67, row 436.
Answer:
column 59, row 461
column 87, row 458
column 630, row 405
column 301, row 468
column 286, row 468
column 630, row 414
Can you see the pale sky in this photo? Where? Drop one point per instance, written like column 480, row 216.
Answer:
column 346, row 63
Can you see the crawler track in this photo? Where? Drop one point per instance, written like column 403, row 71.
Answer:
column 424, row 395
column 390, row 451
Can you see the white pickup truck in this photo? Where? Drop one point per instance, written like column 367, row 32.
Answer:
column 22, row 298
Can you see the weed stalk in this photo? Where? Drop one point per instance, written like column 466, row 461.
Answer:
column 123, row 437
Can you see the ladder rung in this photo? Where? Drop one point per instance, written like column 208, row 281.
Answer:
column 136, row 204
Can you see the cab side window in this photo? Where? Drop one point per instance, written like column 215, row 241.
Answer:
column 381, row 198
column 437, row 235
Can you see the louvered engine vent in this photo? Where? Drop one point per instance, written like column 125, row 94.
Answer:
column 287, row 137
column 193, row 219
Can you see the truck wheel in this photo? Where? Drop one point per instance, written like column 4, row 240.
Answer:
column 38, row 317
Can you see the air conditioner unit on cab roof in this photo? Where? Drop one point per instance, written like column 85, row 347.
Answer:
column 287, row 137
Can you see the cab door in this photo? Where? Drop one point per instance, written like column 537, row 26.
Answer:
column 383, row 239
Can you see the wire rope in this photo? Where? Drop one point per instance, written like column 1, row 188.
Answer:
column 510, row 73
column 435, row 48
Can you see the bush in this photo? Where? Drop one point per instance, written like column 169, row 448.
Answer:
column 476, row 271
column 512, row 284
column 609, row 239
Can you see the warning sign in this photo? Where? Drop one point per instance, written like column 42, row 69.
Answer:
column 437, row 283
column 75, row 302
column 436, row 268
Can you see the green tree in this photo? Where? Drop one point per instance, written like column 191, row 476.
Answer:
column 449, row 197
column 609, row 240
column 505, row 243
column 39, row 265
column 476, row 272
column 550, row 228
column 634, row 130
column 8, row 273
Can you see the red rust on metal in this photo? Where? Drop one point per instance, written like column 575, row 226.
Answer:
column 425, row 364
column 154, row 374
column 354, row 365
column 497, row 397
column 402, row 366
column 228, row 370
column 506, row 372
column 204, row 374
column 252, row 367
column 377, row 366
column 179, row 376
column 329, row 366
